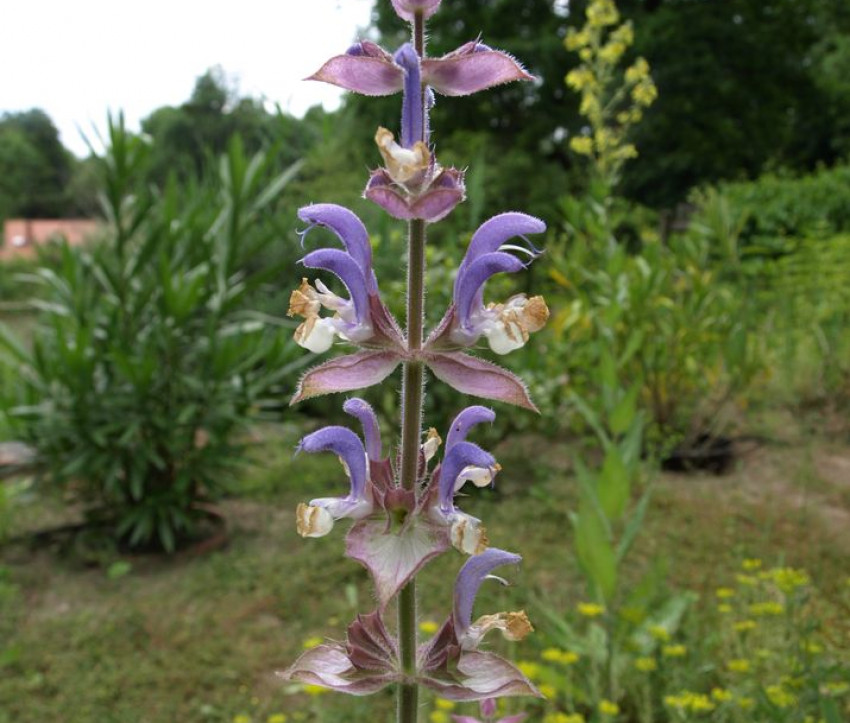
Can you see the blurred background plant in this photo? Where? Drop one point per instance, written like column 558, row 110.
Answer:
column 148, row 364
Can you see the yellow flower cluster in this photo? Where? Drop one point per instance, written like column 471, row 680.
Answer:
column 563, row 718
column 556, row 655
column 601, row 13
column 788, row 579
column 590, row 610
column 646, row 665
column 674, row 651
column 763, row 609
column 780, row 697
column 738, row 665
column 659, row 633
column 689, row 701
column 609, row 708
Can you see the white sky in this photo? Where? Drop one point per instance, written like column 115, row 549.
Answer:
column 77, row 59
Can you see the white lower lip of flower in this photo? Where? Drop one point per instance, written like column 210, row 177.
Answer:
column 312, row 521
column 505, row 336
column 469, row 535
column 431, row 445
column 316, row 335
column 479, row 476
column 514, row 626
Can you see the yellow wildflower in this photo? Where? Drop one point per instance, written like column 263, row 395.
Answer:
column 576, row 39
column 738, row 665
column 724, row 593
column 241, row 718
column 813, row 648
column 637, row 71
column 626, row 152
column 601, row 13
column 607, row 707
column 788, row 579
column 724, row 609
column 612, row 52
column 746, row 580
column 529, row 669
column 589, row 106
column 556, row 655
column 743, row 626
column 780, row 697
column 590, row 610
column 625, row 34
column 438, row 716
column 444, row 704
column 646, row 665
column 312, row 642
column 770, row 607
column 721, row 695
column 547, row 691
column 276, row 718
column 674, row 651
column 751, row 563
column 645, row 93
column 660, row 633
column 700, row 703
column 563, row 718
column 314, row 690
column 580, row 78
column 582, row 145
column 429, row 627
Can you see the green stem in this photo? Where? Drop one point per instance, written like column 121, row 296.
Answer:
column 412, row 395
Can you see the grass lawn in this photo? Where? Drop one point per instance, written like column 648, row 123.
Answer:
column 198, row 638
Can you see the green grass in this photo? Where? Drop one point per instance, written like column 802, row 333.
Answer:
column 198, row 638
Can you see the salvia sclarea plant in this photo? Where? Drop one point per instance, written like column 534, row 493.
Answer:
column 403, row 504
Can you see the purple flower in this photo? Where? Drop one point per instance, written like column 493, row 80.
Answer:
column 506, row 326
column 463, row 462
column 317, row 518
column 361, row 318
column 451, row 663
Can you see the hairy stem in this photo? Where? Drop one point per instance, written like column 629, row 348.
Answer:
column 412, row 395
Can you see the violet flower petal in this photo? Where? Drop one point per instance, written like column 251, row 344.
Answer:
column 470, row 68
column 474, row 571
column 470, row 375
column 406, row 9
column 349, row 229
column 412, row 128
column 364, row 413
column 464, row 421
column 346, row 445
column 495, row 231
column 346, row 269
column 471, row 280
column 365, row 68
column 346, row 373
column 460, row 456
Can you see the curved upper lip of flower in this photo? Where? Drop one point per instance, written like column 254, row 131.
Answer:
column 476, row 569
column 348, row 447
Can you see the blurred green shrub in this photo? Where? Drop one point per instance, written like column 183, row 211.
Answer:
column 147, row 362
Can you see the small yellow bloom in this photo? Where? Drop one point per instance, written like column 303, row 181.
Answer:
column 312, row 642
column 674, row 651
column 607, row 707
column 788, row 579
column 721, row 695
column 637, row 71
column 576, row 39
column 659, row 633
column 529, row 669
column 548, row 691
column 645, row 93
column 724, row 593
column 563, row 718
column 590, row 610
column 429, row 627
column 438, row 716
column 612, row 52
column 314, row 690
column 585, row 54
column 738, row 665
column 582, row 145
column 813, row 648
column 556, row 655
column 241, row 718
column 646, row 665
column 770, row 607
column 746, row 580
column 743, row 626
column 745, row 703
column 276, row 718
column 444, row 704
column 625, row 34
column 601, row 13
column 780, row 697
column 700, row 703
column 580, row 78
column 724, row 609
column 751, row 563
